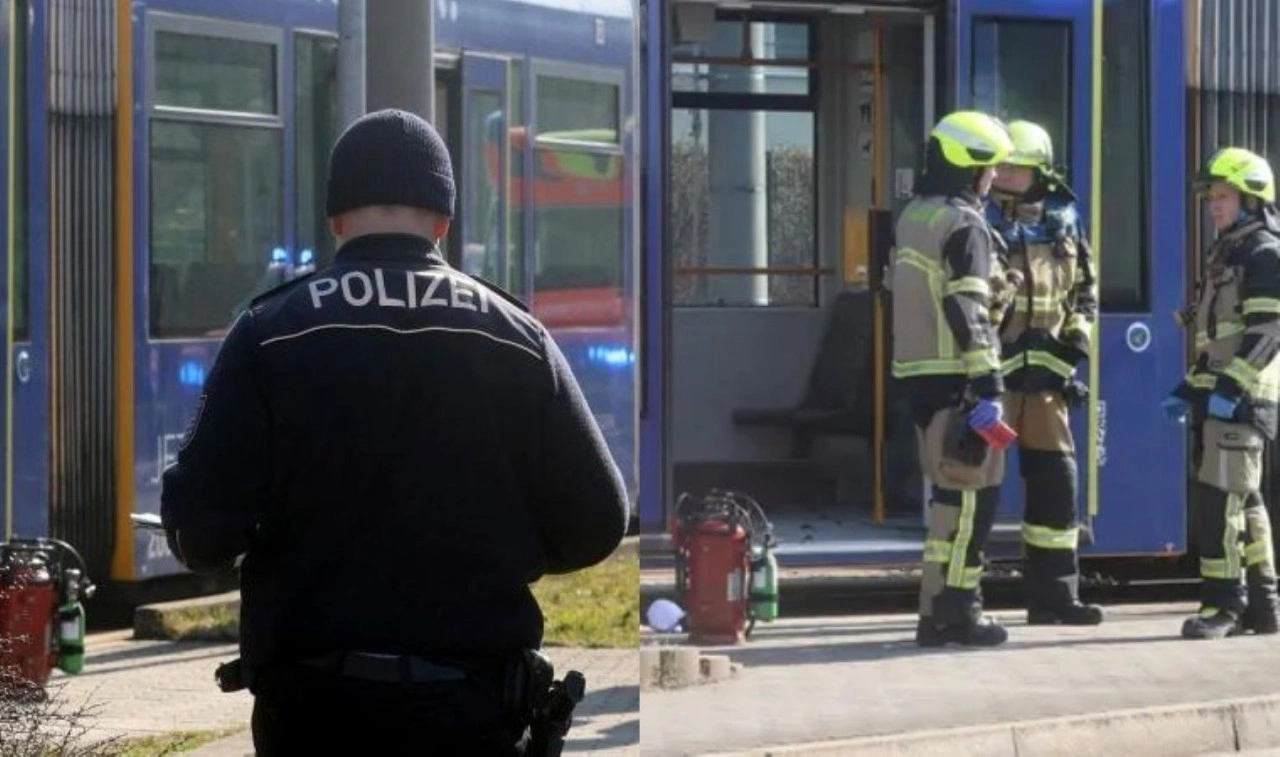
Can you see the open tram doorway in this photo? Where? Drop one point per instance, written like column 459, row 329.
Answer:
column 793, row 139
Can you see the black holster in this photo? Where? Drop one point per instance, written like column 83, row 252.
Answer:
column 233, row 676
column 554, row 715
column 534, row 698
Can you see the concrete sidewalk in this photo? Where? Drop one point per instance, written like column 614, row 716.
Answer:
column 146, row 688
column 817, row 680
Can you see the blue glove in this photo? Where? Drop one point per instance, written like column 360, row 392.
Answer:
column 1175, row 410
column 987, row 414
column 1222, row 407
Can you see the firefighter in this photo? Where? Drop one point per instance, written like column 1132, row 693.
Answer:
column 948, row 291
column 1044, row 340
column 1230, row 395
column 397, row 450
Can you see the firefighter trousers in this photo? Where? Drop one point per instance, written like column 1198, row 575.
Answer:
column 1050, row 526
column 962, row 511
column 1233, row 528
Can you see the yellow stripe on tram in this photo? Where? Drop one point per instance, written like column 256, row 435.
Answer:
column 122, row 557
column 1095, row 234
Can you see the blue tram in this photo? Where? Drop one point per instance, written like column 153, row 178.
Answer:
column 781, row 140
column 165, row 161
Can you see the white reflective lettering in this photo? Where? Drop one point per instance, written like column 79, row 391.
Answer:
column 329, row 286
column 457, row 292
column 411, row 286
column 383, row 299
column 351, row 299
column 428, row 297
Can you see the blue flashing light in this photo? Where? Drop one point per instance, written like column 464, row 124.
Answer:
column 278, row 255
column 306, row 257
column 611, row 355
column 191, row 373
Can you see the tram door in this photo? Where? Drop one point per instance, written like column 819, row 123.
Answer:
column 486, row 168
column 1032, row 60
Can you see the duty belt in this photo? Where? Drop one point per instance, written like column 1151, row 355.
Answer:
column 383, row 668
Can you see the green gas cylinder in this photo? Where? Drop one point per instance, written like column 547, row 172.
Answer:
column 71, row 627
column 764, row 586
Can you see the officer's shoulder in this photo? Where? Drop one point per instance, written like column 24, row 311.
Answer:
column 492, row 287
column 263, row 299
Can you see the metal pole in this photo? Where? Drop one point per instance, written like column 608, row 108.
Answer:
column 401, row 56
column 351, row 60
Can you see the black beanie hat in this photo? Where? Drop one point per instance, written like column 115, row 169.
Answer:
column 390, row 157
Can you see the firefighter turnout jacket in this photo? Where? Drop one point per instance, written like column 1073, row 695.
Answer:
column 1237, row 326
column 950, row 291
column 401, row 449
column 1049, row 326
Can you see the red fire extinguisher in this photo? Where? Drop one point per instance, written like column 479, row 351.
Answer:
column 716, row 563
column 41, row 619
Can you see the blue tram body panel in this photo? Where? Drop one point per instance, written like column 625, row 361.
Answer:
column 30, row 360
column 169, row 374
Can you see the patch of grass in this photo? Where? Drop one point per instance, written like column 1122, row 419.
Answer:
column 171, row 743
column 597, row 607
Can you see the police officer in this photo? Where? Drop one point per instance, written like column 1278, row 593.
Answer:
column 1231, row 394
column 948, row 290
column 400, row 449
column 1045, row 338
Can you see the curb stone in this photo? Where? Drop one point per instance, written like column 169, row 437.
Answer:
column 1218, row 726
column 678, row 667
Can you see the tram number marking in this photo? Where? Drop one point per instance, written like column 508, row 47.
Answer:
column 157, row 546
column 1101, row 441
column 167, row 446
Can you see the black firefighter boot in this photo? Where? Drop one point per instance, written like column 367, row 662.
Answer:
column 1260, row 616
column 975, row 630
column 1055, row 591
column 1075, row 614
column 1211, row 623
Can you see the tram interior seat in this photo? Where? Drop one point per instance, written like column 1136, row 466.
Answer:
column 209, row 293
column 836, row 401
column 166, row 286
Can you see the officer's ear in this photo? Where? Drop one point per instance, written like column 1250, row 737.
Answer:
column 336, row 226
column 440, row 226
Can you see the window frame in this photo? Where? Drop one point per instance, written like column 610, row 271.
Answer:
column 765, row 103
column 1142, row 304
column 535, row 69
column 237, row 31
column 321, row 170
column 1063, row 148
column 201, row 26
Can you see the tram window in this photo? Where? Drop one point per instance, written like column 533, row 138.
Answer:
column 1125, row 159
column 716, row 227
column 214, row 73
column 21, row 293
column 578, row 185
column 481, row 168
column 734, row 43
column 586, row 109
column 1005, row 86
column 578, row 219
column 216, row 201
column 317, row 127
